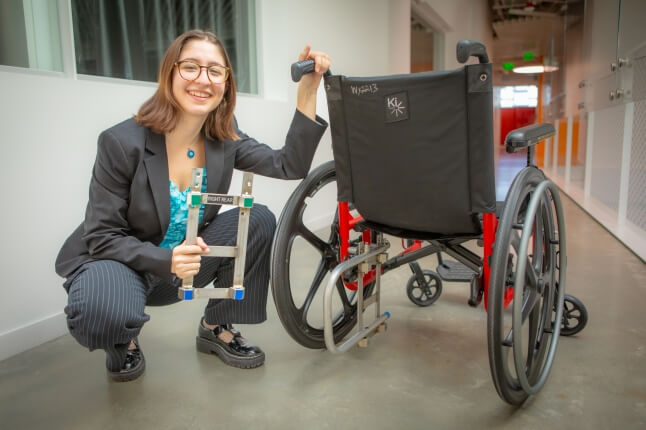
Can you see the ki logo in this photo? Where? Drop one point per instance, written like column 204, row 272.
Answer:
column 396, row 107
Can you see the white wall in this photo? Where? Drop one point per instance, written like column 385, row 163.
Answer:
column 50, row 122
column 49, row 129
column 467, row 19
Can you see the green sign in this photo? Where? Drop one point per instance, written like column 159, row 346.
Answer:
column 528, row 56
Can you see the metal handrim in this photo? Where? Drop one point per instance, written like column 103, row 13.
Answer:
column 536, row 199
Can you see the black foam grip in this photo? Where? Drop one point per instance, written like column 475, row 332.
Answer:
column 300, row 68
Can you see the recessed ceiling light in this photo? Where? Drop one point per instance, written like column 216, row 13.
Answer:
column 535, row 69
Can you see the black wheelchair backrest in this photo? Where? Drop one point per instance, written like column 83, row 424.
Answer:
column 415, row 152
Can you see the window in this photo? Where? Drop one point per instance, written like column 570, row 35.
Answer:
column 127, row 39
column 519, row 96
column 29, row 34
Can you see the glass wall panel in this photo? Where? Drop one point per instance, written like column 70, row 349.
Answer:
column 579, row 136
column 630, row 38
column 606, row 155
column 127, row 39
column 30, row 35
column 601, row 23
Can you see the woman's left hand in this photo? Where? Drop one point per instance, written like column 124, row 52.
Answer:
column 309, row 83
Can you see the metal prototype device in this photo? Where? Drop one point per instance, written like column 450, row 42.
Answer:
column 239, row 251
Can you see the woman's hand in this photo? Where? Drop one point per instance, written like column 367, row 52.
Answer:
column 309, row 83
column 186, row 258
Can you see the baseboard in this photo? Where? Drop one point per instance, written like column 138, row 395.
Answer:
column 29, row 336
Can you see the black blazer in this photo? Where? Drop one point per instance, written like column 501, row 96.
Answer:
column 128, row 210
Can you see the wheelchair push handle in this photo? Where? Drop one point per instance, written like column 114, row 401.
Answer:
column 468, row 48
column 301, row 68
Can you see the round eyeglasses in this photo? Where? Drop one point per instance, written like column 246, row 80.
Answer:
column 190, row 71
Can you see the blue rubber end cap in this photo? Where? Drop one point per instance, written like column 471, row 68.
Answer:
column 387, row 314
column 239, row 295
column 188, row 295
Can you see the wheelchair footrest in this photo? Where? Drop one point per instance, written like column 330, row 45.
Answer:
column 454, row 271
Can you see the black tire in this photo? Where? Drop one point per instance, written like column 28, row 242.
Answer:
column 575, row 316
column 539, row 290
column 298, row 318
column 427, row 294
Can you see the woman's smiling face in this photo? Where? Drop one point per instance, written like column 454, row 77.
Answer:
column 200, row 96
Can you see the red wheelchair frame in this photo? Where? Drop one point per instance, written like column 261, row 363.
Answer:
column 348, row 222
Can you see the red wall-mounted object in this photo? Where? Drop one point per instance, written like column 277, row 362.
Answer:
column 513, row 118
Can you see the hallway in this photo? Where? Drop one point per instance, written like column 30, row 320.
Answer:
column 72, row 68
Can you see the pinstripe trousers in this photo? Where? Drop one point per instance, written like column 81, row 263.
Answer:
column 107, row 299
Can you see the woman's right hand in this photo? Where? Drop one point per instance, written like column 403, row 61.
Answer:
column 186, row 258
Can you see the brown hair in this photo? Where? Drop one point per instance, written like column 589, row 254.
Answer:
column 160, row 112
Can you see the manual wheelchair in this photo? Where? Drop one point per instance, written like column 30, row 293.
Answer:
column 413, row 158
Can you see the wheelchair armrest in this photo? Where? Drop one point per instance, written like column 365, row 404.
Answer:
column 527, row 136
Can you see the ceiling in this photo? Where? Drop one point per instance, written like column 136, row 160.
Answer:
column 537, row 26
column 504, row 10
column 518, row 27
column 531, row 26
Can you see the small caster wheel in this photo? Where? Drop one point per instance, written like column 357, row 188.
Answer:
column 575, row 316
column 427, row 291
column 477, row 291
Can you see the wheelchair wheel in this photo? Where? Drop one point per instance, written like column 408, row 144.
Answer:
column 523, row 293
column 424, row 293
column 297, row 294
column 575, row 316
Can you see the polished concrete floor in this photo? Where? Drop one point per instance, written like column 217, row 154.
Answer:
column 429, row 370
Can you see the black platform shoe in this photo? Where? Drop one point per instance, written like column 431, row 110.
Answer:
column 237, row 353
column 132, row 368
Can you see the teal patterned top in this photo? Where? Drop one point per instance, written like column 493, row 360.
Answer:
column 179, row 214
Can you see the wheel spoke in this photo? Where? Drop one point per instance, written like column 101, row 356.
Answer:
column 509, row 339
column 347, row 306
column 567, row 319
column 532, row 342
column 531, row 275
column 529, row 303
column 313, row 239
column 314, row 287
column 539, row 239
column 515, row 240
